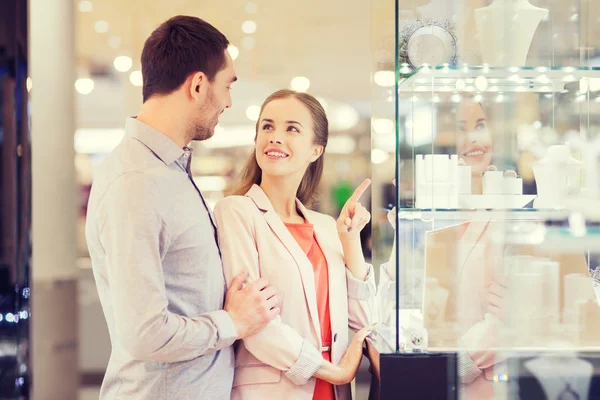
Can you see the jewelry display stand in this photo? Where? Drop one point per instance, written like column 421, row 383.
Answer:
column 506, row 29
column 555, row 176
column 562, row 377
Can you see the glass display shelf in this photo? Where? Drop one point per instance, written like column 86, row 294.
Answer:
column 556, row 239
column 498, row 79
column 519, row 214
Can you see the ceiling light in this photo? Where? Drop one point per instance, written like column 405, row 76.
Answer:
column 405, row 69
column 342, row 117
column 543, row 79
column 123, row 63
column 136, row 78
column 340, row 144
column 455, row 98
column 29, row 84
column 101, row 26
column 248, row 42
column 86, row 6
column 251, row 8
column 460, row 85
column 300, row 84
column 234, row 52
column 379, row 156
column 114, row 42
column 253, row 112
column 478, row 98
column 383, row 126
column 84, row 85
column 249, row 27
column 481, row 83
column 384, row 78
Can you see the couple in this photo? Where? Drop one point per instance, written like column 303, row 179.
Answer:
column 162, row 262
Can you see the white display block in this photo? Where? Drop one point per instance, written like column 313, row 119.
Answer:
column 493, row 182
column 436, row 181
column 513, row 185
column 464, row 179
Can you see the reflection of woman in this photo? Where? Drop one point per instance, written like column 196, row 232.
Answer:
column 473, row 141
column 315, row 262
column 469, row 250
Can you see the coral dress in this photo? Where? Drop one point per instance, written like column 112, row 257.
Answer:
column 304, row 235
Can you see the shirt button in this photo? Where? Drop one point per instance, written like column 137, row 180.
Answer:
column 335, row 337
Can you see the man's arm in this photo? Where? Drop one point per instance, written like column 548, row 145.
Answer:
column 135, row 240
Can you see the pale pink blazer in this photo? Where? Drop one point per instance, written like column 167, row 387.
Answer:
column 279, row 361
column 480, row 261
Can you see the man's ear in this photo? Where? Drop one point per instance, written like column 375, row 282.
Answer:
column 197, row 85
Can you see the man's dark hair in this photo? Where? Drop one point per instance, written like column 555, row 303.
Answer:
column 181, row 46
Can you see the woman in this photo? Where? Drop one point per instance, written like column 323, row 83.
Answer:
column 315, row 262
column 474, row 141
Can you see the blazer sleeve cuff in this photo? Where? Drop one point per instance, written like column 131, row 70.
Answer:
column 307, row 364
column 361, row 290
column 226, row 331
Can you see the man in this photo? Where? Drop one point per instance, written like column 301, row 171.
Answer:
column 152, row 238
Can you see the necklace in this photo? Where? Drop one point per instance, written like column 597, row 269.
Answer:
column 568, row 393
column 562, row 378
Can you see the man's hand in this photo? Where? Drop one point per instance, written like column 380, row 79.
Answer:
column 252, row 307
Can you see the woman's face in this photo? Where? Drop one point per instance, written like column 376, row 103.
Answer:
column 473, row 142
column 285, row 139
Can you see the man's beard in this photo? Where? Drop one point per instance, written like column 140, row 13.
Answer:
column 200, row 131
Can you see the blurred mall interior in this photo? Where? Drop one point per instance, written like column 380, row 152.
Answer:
column 70, row 76
column 80, row 62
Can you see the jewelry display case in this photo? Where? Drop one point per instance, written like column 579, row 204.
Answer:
column 490, row 238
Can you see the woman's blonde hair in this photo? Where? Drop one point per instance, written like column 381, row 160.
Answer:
column 252, row 174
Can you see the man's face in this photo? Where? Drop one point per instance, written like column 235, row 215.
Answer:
column 216, row 98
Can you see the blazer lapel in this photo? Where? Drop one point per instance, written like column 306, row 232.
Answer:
column 469, row 240
column 303, row 263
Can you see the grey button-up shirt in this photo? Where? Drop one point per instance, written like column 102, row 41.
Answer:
column 156, row 261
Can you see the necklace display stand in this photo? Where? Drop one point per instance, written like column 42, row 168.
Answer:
column 505, row 29
column 562, row 377
column 555, row 175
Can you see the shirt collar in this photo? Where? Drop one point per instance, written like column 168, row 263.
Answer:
column 163, row 147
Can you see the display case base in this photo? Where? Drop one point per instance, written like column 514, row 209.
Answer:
column 419, row 376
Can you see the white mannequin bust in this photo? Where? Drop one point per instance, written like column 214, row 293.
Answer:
column 563, row 377
column 506, row 29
